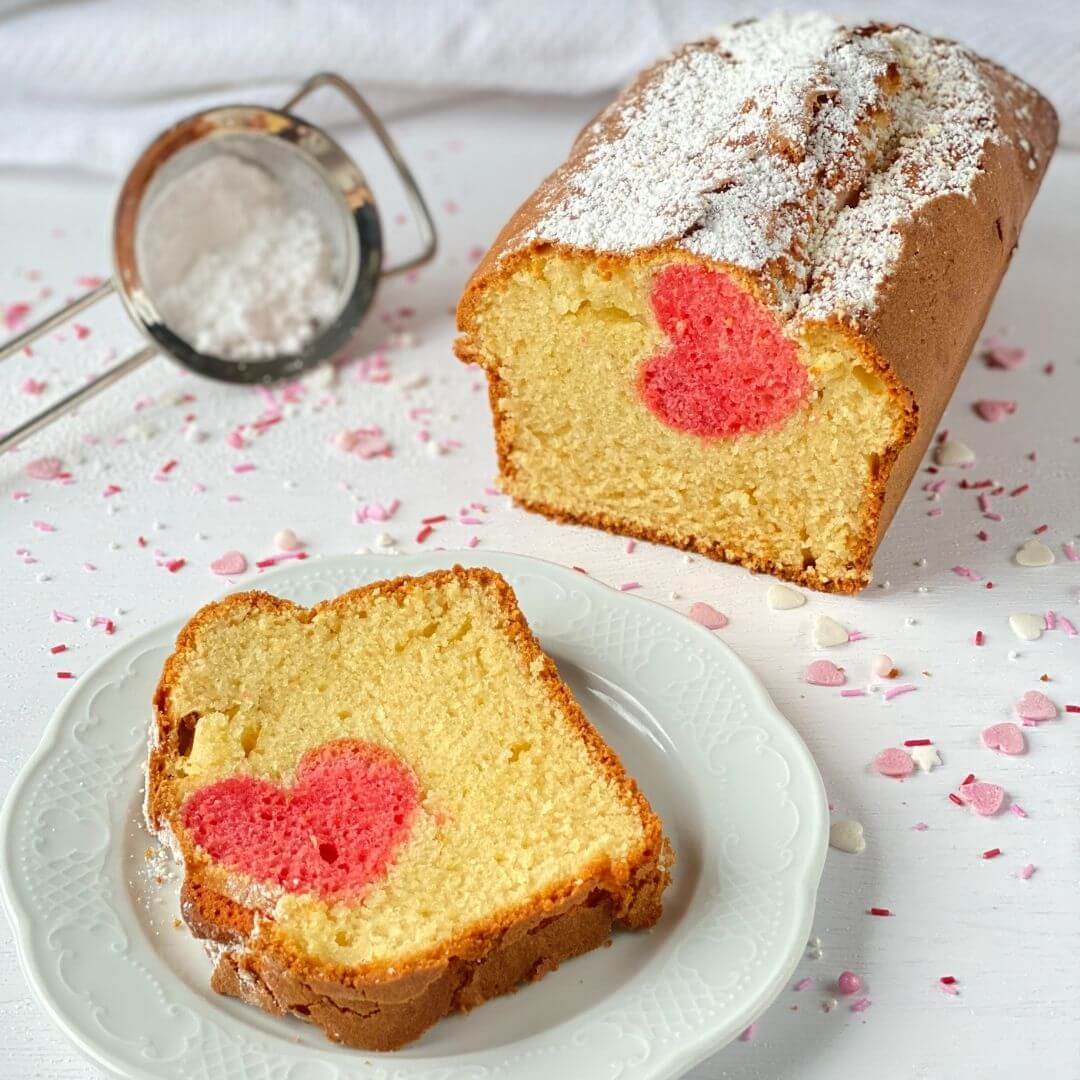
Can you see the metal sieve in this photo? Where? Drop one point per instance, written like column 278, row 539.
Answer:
column 313, row 171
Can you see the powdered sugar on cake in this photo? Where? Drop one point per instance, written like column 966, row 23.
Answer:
column 791, row 146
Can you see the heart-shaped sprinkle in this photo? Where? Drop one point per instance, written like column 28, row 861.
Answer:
column 1035, row 706
column 825, row 673
column 993, row 411
column 828, row 632
column 335, row 831
column 883, row 667
column 781, row 598
column 285, row 539
column 44, row 468
column 926, row 757
column 1007, row 738
column 728, row 368
column 1033, row 553
column 1027, row 627
column 708, row 616
column 985, row 799
column 894, row 762
column 230, row 564
column 1000, row 354
column 847, row 836
column 954, row 452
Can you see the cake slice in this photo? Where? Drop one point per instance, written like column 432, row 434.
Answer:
column 731, row 319
column 389, row 806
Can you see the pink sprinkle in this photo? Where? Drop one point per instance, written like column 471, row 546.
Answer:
column 424, row 533
column 992, row 410
column 1020, row 490
column 20, row 496
column 896, row 691
column 935, row 512
column 1018, row 810
column 856, row 635
column 45, row 468
column 991, row 853
column 629, row 586
column 853, row 693
column 966, row 572
column 433, row 520
column 1027, row 871
column 990, row 516
column 43, row 526
column 235, row 440
column 920, row 826
column 1040, row 530
column 1070, row 552
column 894, row 762
column 861, row 1005
column 172, row 565
column 112, row 489
column 470, row 521
column 15, row 315
column 948, row 988
column 89, row 567
column 472, row 541
column 630, row 545
column 748, row 1033
column 983, row 535
column 1066, row 625
column 243, row 467
column 707, row 616
column 33, row 386
column 803, row 984
column 61, row 616
column 998, row 354
column 1050, row 621
column 81, row 331
column 88, row 281
column 848, row 983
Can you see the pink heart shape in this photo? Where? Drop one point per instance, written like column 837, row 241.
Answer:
column 1035, row 706
column 825, row 673
column 993, row 411
column 44, row 468
column 729, row 369
column 894, row 762
column 708, row 616
column 1007, row 738
column 230, row 564
column 983, row 798
column 335, row 831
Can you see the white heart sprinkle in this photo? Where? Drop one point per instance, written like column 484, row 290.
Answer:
column 847, row 836
column 954, row 452
column 1034, row 553
column 781, row 598
column 828, row 632
column 926, row 757
column 1027, row 627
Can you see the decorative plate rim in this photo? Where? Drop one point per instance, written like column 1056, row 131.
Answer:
column 813, row 840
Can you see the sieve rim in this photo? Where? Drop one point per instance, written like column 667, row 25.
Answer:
column 335, row 168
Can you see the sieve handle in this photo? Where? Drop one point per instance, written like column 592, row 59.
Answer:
column 421, row 214
column 76, row 397
column 50, row 322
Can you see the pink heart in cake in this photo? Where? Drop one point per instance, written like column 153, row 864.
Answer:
column 1007, row 738
column 1035, row 706
column 985, row 799
column 825, row 673
column 729, row 370
column 334, row 832
column 230, row 564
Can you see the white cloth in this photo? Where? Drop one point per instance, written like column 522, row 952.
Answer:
column 87, row 83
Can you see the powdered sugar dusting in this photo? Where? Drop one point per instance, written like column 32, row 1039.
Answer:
column 791, row 147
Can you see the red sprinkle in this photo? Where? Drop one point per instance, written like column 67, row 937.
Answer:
column 168, row 467
column 172, row 565
column 955, row 798
column 948, row 980
column 65, row 675
column 1072, row 708
column 969, row 779
column 992, row 853
column 433, row 520
column 1040, row 529
column 979, row 639
column 58, row 649
column 881, row 911
column 424, row 533
column 1020, row 490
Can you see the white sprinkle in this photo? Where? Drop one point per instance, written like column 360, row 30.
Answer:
column 1026, row 626
column 828, row 632
column 1033, row 553
column 847, row 836
column 781, row 598
column 926, row 757
column 954, row 452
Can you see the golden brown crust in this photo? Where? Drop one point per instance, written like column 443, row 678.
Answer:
column 924, row 325
column 375, row 1006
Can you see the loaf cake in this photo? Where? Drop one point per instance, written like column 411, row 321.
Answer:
column 389, row 807
column 731, row 320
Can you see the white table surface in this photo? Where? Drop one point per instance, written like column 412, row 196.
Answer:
column 1013, row 945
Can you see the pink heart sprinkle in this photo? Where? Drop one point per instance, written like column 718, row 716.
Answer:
column 1007, row 738
column 992, row 411
column 894, row 762
column 825, row 673
column 985, row 799
column 44, row 468
column 1035, row 705
column 708, row 616
column 230, row 564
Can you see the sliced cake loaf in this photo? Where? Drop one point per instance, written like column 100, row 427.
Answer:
column 732, row 319
column 389, row 806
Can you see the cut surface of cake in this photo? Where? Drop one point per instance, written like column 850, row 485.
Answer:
column 731, row 320
column 389, row 806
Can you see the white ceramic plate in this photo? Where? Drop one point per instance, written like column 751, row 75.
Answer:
column 738, row 792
